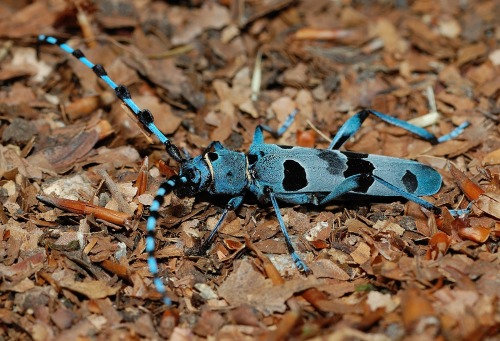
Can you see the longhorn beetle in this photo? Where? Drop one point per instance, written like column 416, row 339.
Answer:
column 273, row 173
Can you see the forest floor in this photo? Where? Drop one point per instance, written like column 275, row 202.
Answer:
column 212, row 71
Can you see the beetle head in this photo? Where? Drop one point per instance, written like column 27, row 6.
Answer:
column 194, row 176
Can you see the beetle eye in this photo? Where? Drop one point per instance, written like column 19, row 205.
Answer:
column 190, row 174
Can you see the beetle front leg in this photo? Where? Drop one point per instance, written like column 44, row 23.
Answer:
column 296, row 258
column 216, row 145
column 233, row 204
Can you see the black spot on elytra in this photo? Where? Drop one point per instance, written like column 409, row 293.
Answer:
column 294, row 177
column 356, row 155
column 284, row 147
column 252, row 159
column 335, row 163
column 357, row 164
column 410, row 181
column 212, row 156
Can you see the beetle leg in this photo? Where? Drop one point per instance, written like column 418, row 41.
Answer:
column 349, row 184
column 352, row 125
column 281, row 130
column 296, row 258
column 216, row 145
column 233, row 204
column 418, row 200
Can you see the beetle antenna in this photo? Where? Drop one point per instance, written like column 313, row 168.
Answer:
column 143, row 116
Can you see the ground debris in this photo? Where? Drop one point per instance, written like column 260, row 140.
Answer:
column 73, row 265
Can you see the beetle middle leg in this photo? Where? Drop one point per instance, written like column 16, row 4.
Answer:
column 291, row 249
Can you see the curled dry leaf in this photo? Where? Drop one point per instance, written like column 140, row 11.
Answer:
column 268, row 266
column 470, row 189
column 438, row 245
column 81, row 207
column 141, row 183
column 166, row 170
column 84, row 106
column 478, row 234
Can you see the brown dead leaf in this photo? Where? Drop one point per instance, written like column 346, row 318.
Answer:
column 361, row 254
column 489, row 203
column 418, row 313
column 209, row 323
column 469, row 53
column 457, row 102
column 490, row 87
column 450, row 147
column 325, row 268
column 438, row 245
column 297, row 75
column 28, row 21
column 470, row 189
column 386, row 30
column 376, row 300
column 492, row 158
column 209, row 16
column 478, row 234
column 63, row 157
column 91, row 289
column 226, row 123
column 259, row 292
column 63, row 318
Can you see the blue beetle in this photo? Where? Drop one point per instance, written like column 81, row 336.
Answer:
column 273, row 173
